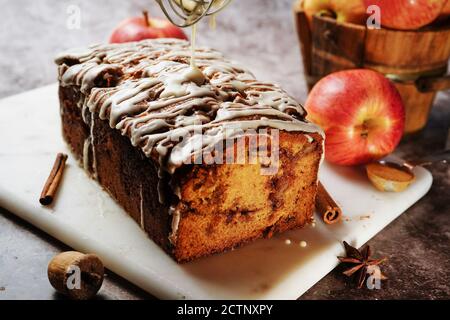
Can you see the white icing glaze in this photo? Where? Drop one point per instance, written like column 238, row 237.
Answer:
column 310, row 139
column 141, row 205
column 176, row 217
column 154, row 94
column 86, row 148
column 92, row 145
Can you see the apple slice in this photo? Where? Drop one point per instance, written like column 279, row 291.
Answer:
column 389, row 177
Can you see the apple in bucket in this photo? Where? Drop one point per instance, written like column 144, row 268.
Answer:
column 140, row 28
column 352, row 11
column 407, row 14
column 361, row 113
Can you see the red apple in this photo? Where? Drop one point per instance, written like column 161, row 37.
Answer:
column 408, row 14
column 361, row 113
column 140, row 28
column 352, row 11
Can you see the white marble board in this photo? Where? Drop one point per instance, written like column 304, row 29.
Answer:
column 85, row 218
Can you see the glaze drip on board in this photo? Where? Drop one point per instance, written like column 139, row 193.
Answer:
column 155, row 94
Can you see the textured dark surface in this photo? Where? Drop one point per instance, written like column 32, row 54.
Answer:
column 259, row 34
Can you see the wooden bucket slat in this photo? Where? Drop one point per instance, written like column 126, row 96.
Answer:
column 304, row 36
column 418, row 106
column 419, row 51
column 335, row 46
column 410, row 72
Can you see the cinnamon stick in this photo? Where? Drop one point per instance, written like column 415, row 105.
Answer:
column 51, row 185
column 327, row 208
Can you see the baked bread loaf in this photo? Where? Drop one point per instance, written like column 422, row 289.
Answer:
column 204, row 157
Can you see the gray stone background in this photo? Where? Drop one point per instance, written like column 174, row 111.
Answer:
column 260, row 34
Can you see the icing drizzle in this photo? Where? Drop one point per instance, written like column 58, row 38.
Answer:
column 149, row 91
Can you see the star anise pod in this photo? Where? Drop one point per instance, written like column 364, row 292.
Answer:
column 361, row 263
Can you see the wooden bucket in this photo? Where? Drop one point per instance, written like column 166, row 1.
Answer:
column 416, row 61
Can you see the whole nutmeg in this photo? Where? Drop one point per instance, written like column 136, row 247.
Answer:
column 76, row 275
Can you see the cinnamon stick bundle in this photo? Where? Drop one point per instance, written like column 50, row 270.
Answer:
column 327, row 208
column 51, row 185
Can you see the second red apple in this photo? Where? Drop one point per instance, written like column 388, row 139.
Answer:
column 361, row 113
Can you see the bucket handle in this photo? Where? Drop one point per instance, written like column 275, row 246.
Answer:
column 433, row 84
column 425, row 82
